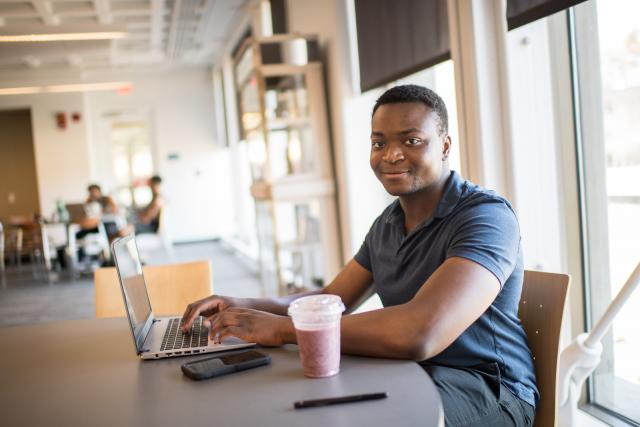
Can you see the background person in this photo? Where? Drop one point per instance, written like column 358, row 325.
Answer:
column 148, row 218
column 107, row 204
column 101, row 208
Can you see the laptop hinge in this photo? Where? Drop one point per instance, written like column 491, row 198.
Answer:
column 146, row 350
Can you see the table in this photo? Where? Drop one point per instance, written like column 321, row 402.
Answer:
column 85, row 372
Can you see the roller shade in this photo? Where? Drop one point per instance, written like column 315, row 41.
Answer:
column 399, row 37
column 522, row 12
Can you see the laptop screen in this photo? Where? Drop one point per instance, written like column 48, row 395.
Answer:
column 133, row 286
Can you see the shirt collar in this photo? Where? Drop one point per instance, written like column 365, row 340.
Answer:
column 452, row 191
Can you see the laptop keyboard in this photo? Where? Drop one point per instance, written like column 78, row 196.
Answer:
column 174, row 338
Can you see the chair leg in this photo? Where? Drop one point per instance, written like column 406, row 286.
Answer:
column 34, row 266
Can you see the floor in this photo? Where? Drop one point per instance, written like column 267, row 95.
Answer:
column 25, row 300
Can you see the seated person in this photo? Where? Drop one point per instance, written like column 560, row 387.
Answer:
column 148, row 218
column 446, row 261
column 107, row 204
column 99, row 207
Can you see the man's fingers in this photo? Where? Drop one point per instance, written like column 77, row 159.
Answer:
column 186, row 313
column 220, row 321
column 192, row 312
column 202, row 307
column 189, row 316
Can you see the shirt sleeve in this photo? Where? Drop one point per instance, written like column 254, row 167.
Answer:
column 489, row 235
column 363, row 256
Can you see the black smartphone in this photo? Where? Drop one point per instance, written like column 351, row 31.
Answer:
column 224, row 364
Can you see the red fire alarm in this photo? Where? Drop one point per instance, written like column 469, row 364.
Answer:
column 125, row 89
column 75, row 117
column 61, row 121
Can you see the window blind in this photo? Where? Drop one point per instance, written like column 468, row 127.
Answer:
column 399, row 37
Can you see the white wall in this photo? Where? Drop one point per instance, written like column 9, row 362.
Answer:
column 62, row 156
column 361, row 197
column 181, row 113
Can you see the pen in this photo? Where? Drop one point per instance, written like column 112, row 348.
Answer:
column 335, row 400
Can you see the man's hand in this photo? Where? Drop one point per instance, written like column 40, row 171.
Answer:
column 209, row 306
column 252, row 326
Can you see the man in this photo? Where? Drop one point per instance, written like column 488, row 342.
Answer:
column 95, row 207
column 445, row 259
column 106, row 203
column 148, row 218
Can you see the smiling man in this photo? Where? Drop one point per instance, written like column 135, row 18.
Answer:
column 446, row 261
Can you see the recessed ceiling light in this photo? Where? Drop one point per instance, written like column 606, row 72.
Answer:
column 106, row 35
column 20, row 90
column 78, row 87
column 86, row 87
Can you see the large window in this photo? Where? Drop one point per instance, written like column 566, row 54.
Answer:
column 607, row 75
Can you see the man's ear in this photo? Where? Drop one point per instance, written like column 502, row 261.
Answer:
column 446, row 147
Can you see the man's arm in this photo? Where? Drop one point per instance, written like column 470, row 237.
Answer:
column 351, row 284
column 455, row 295
column 112, row 207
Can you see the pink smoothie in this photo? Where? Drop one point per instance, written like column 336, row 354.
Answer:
column 320, row 350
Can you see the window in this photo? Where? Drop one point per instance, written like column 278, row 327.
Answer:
column 441, row 79
column 132, row 163
column 536, row 148
column 607, row 73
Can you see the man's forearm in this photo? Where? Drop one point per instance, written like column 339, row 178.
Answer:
column 278, row 305
column 377, row 333
column 382, row 333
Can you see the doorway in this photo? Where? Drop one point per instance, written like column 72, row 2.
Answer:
column 18, row 178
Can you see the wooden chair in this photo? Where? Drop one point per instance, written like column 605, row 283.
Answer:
column 541, row 309
column 171, row 287
column 2, row 266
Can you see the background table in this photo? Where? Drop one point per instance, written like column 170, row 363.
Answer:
column 86, row 373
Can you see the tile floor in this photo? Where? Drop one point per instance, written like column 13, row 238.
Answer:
column 25, row 300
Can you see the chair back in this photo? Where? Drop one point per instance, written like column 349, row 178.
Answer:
column 171, row 288
column 541, row 309
column 1, row 247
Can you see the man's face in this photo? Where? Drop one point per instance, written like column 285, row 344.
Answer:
column 406, row 151
column 95, row 193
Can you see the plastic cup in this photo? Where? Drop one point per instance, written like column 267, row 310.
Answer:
column 317, row 322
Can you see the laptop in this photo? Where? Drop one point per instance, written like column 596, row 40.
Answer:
column 158, row 337
column 76, row 211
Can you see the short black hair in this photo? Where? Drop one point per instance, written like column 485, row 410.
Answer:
column 94, row 186
column 414, row 93
column 155, row 179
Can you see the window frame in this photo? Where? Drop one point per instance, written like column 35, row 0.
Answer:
column 592, row 199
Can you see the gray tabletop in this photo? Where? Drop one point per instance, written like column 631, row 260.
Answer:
column 86, row 372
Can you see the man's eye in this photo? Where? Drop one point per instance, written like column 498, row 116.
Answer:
column 377, row 144
column 414, row 141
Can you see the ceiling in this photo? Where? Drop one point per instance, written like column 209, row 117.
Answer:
column 160, row 33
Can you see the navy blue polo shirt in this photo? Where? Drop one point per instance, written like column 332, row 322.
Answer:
column 472, row 223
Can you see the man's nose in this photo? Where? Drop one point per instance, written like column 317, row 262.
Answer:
column 392, row 154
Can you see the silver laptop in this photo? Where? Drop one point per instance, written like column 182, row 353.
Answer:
column 158, row 337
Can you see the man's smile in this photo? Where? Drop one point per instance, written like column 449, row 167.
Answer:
column 394, row 173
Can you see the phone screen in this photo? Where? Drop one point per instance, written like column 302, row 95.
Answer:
column 233, row 359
